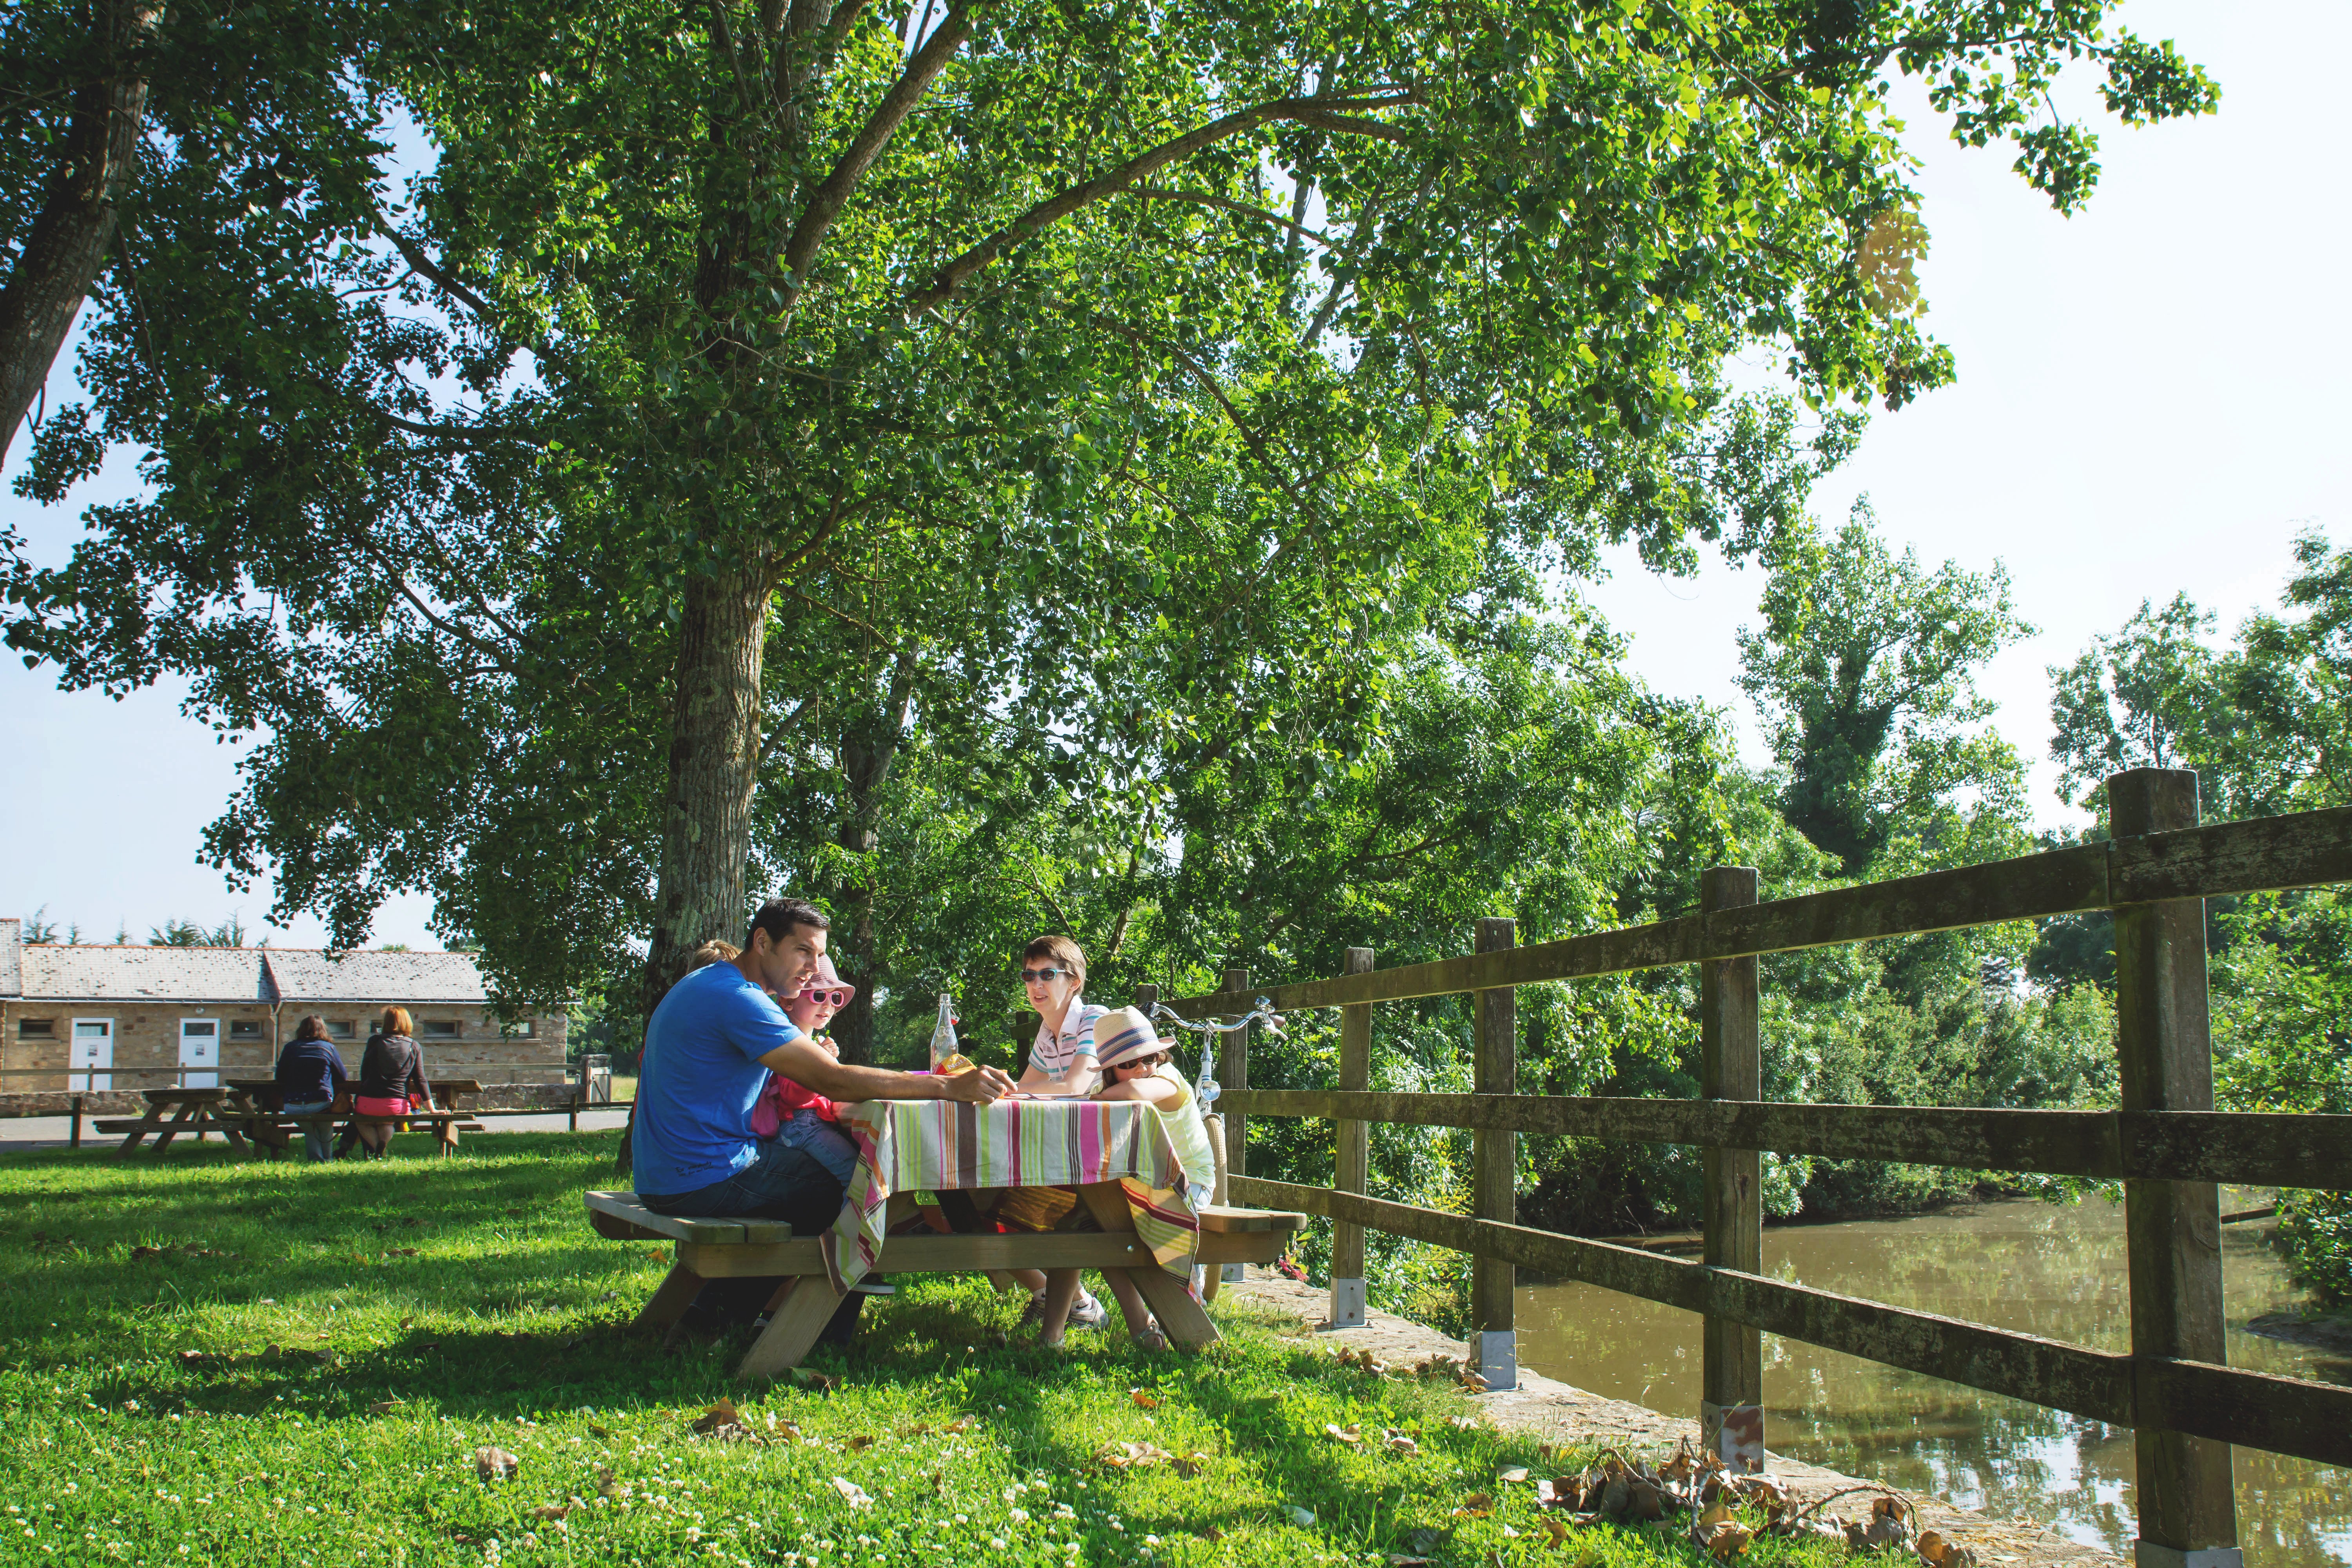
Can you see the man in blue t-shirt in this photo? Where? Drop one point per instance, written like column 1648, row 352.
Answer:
column 709, row 1047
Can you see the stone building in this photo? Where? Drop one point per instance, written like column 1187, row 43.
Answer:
column 127, row 1018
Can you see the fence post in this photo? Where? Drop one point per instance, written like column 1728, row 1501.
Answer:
column 1731, row 1067
column 2188, row 1513
column 1494, row 1167
column 1233, row 1073
column 1355, row 1152
column 74, row 1141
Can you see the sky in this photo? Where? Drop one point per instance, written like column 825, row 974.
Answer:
column 2151, row 398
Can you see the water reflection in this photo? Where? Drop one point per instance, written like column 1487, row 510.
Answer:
column 2031, row 1266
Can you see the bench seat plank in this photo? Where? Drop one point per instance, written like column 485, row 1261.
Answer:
column 625, row 1206
column 1226, row 1218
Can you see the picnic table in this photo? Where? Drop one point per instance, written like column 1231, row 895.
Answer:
column 253, row 1109
column 172, row 1112
column 1150, row 1225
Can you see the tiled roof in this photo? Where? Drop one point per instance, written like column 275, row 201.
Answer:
column 143, row 974
column 303, row 976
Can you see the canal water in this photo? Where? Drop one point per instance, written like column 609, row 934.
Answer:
column 2041, row 1268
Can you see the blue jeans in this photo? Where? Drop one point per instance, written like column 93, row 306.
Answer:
column 828, row 1145
column 780, row 1183
column 317, row 1137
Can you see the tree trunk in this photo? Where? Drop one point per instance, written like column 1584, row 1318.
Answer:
column 714, row 760
column 867, row 753
column 67, row 242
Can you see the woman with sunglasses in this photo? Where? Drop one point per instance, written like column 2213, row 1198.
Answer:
column 1062, row 1058
column 801, row 1117
column 1061, row 1064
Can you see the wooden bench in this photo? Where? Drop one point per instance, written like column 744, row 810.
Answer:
column 737, row 1249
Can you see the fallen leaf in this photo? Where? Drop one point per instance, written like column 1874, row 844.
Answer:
column 1510, row 1475
column 1560, row 1492
column 1465, row 1423
column 851, row 1492
column 1339, row 1434
column 140, row 1252
column 1726, row 1541
column 608, row 1487
column 1303, row 1517
column 400, row 1252
column 1191, row 1465
column 384, row 1406
column 596, row 1431
column 859, row 1442
column 495, row 1464
column 816, row 1380
column 1555, row 1532
column 1143, row 1399
column 550, row 1510
column 961, row 1424
column 1134, row 1456
column 194, row 1358
column 1477, row 1505
column 1397, row 1442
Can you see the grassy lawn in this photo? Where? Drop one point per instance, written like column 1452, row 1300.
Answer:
column 303, row 1369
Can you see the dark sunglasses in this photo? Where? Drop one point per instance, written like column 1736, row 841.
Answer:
column 1032, row 977
column 826, row 998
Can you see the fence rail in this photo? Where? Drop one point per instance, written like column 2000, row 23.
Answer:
column 2164, row 1142
column 2228, row 858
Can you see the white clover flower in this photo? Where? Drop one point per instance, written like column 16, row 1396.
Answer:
column 1017, row 1515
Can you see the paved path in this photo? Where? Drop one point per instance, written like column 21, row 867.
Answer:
column 18, row 1133
column 1563, row 1414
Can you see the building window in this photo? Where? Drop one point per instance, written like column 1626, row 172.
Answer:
column 36, row 1028
column 438, row 1029
column 247, row 1029
column 522, row 1031
column 341, row 1029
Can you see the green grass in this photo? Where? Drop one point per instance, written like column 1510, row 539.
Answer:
column 362, row 1329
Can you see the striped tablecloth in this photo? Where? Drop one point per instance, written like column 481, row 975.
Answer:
column 933, row 1146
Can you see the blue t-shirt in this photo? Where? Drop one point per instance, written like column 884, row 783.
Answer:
column 699, row 1077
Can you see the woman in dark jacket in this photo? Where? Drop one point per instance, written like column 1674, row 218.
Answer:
column 311, row 1078
column 391, row 1078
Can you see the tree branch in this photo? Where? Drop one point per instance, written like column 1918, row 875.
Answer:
column 424, row 267
column 1158, row 194
column 1310, row 110
column 827, row 202
column 1209, row 385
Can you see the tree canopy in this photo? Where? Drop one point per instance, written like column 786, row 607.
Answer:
column 559, row 420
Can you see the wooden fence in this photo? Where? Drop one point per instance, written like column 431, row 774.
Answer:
column 2164, row 1142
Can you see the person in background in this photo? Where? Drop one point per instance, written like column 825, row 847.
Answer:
column 1061, row 1062
column 391, row 1078
column 311, row 1078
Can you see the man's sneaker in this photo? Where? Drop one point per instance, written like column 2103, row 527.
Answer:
column 872, row 1285
column 1032, row 1316
column 1087, row 1312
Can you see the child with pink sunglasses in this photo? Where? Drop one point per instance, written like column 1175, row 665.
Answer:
column 801, row 1117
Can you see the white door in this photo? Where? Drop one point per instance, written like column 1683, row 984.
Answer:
column 200, row 1048
column 93, row 1046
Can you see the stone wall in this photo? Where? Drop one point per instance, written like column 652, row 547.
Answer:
column 147, row 1041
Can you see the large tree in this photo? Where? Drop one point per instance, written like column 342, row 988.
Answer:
column 508, row 415
column 1864, row 674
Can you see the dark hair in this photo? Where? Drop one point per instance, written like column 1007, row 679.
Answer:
column 313, row 1027
column 1061, row 950
column 778, row 916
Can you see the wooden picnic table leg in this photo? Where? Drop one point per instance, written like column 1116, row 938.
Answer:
column 172, row 1128
column 1180, row 1315
column 793, row 1327
column 670, row 1298
column 153, row 1119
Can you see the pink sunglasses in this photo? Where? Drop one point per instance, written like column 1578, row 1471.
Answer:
column 827, row 998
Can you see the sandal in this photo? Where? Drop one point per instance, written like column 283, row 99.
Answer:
column 1150, row 1339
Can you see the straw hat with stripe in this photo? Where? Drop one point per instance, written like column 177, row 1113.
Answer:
column 1124, row 1033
